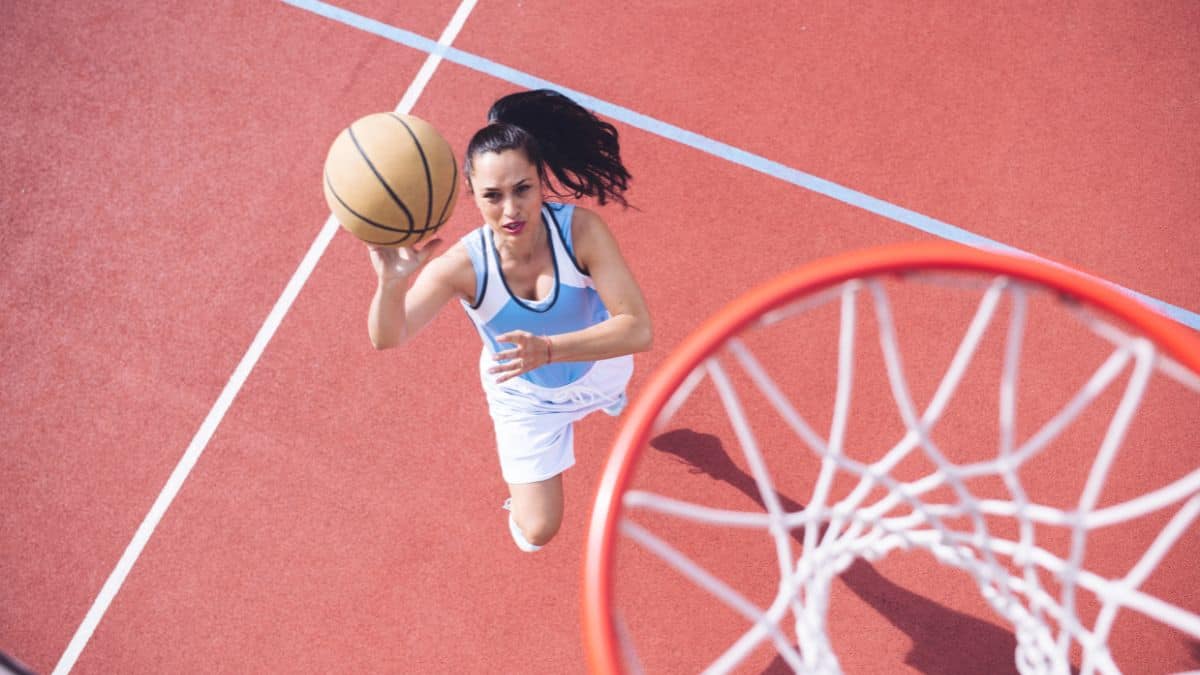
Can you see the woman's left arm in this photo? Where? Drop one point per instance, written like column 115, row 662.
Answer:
column 628, row 328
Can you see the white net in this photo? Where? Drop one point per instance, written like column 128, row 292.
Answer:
column 975, row 505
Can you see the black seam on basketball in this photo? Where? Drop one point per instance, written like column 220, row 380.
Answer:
column 393, row 242
column 396, row 198
column 450, row 195
column 389, row 242
column 358, row 215
column 425, row 164
column 425, row 230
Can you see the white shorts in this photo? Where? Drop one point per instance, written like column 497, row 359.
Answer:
column 535, row 425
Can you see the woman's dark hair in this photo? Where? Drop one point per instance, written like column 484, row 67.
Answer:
column 559, row 137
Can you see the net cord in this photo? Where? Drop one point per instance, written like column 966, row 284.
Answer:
column 764, row 623
column 869, row 533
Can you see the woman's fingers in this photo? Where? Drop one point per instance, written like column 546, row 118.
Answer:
column 402, row 261
column 526, row 355
column 522, row 345
column 518, row 338
column 383, row 254
column 506, row 355
column 508, row 370
column 429, row 250
column 505, row 375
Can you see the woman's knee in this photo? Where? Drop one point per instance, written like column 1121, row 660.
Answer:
column 538, row 509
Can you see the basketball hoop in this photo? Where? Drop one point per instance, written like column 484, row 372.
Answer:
column 974, row 505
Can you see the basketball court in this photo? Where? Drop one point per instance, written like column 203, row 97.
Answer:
column 210, row 469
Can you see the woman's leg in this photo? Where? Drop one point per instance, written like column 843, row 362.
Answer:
column 537, row 509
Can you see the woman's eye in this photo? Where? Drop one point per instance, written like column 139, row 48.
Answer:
column 522, row 189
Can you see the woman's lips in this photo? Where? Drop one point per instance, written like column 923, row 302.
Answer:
column 514, row 227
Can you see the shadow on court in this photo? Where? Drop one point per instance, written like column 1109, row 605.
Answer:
column 11, row 665
column 944, row 641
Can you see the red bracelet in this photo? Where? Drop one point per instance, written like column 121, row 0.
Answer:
column 548, row 350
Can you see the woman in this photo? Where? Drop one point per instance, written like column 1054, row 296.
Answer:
column 557, row 308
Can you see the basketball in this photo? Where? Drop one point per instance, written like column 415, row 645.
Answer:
column 391, row 179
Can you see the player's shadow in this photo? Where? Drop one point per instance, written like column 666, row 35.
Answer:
column 944, row 641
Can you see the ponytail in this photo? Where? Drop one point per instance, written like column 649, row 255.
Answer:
column 560, row 137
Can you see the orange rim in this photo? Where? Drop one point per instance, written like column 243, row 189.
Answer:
column 600, row 638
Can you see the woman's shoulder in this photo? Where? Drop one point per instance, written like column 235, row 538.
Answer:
column 454, row 268
column 560, row 207
column 473, row 238
column 458, row 256
column 573, row 216
column 591, row 238
column 586, row 222
column 561, row 213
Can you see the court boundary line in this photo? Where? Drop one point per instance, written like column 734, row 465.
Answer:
column 717, row 148
column 233, row 386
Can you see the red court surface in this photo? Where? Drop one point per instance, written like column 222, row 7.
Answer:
column 161, row 184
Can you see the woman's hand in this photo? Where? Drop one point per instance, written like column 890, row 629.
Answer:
column 530, row 351
column 387, row 321
column 400, row 263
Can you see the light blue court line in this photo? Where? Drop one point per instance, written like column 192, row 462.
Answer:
column 716, row 148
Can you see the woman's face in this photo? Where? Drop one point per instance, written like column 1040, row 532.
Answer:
column 508, row 193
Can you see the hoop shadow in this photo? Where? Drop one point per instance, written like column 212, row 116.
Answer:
column 944, row 641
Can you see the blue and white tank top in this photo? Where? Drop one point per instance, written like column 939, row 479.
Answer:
column 572, row 305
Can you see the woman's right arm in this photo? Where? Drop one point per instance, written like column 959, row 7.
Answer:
column 398, row 312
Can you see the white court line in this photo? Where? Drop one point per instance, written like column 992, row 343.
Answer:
column 117, row 578
column 712, row 146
